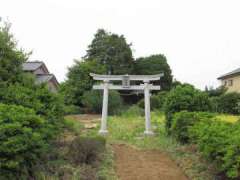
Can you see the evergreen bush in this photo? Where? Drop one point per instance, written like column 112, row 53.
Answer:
column 183, row 120
column 229, row 103
column 185, row 97
column 22, row 141
column 219, row 142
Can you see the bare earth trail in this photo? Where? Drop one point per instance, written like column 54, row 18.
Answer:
column 134, row 164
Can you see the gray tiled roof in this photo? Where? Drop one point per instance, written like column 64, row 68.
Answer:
column 31, row 66
column 236, row 71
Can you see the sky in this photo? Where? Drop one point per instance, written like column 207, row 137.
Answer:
column 200, row 38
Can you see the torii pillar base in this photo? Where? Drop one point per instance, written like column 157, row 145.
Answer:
column 103, row 132
column 148, row 133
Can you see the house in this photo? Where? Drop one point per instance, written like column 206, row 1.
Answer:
column 231, row 81
column 39, row 69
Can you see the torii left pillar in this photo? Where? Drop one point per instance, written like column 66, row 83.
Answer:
column 103, row 130
column 148, row 130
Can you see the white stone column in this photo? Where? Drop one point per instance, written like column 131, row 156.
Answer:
column 103, row 130
column 148, row 130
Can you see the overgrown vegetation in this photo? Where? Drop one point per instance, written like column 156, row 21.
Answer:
column 92, row 101
column 220, row 142
column 31, row 117
column 216, row 139
column 185, row 97
column 23, row 140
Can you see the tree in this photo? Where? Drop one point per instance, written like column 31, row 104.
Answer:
column 112, row 51
column 215, row 92
column 79, row 80
column 11, row 58
column 155, row 64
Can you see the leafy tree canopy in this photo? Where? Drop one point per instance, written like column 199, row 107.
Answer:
column 11, row 58
column 111, row 50
column 155, row 64
column 79, row 80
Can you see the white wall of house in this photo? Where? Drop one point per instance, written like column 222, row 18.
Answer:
column 51, row 86
column 232, row 83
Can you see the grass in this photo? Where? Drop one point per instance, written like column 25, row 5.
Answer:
column 228, row 118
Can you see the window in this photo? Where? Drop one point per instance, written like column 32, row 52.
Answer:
column 225, row 83
column 230, row 82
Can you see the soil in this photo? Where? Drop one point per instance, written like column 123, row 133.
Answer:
column 89, row 121
column 134, row 164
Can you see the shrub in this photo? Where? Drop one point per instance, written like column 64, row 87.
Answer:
column 219, row 142
column 92, row 100
column 22, row 140
column 183, row 120
column 214, row 104
column 133, row 111
column 156, row 100
column 45, row 103
column 229, row 103
column 72, row 109
column 184, row 97
column 86, row 150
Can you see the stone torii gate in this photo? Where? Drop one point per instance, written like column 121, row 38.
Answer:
column 146, row 87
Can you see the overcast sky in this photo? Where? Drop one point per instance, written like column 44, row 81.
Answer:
column 200, row 38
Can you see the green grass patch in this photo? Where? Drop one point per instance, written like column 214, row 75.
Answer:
column 228, row 118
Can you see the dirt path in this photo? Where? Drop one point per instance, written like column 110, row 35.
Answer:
column 133, row 164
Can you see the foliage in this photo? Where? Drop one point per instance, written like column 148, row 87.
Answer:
column 228, row 118
column 219, row 141
column 11, row 58
column 133, row 110
column 215, row 92
column 22, row 140
column 156, row 100
column 86, row 150
column 184, row 97
column 229, row 103
column 72, row 109
column 112, row 51
column 45, row 103
column 79, row 81
column 92, row 100
column 183, row 120
column 155, row 64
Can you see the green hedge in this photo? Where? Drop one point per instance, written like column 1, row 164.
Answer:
column 183, row 120
column 45, row 103
column 219, row 142
column 22, row 140
column 184, row 97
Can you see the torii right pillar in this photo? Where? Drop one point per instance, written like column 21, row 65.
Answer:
column 148, row 130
